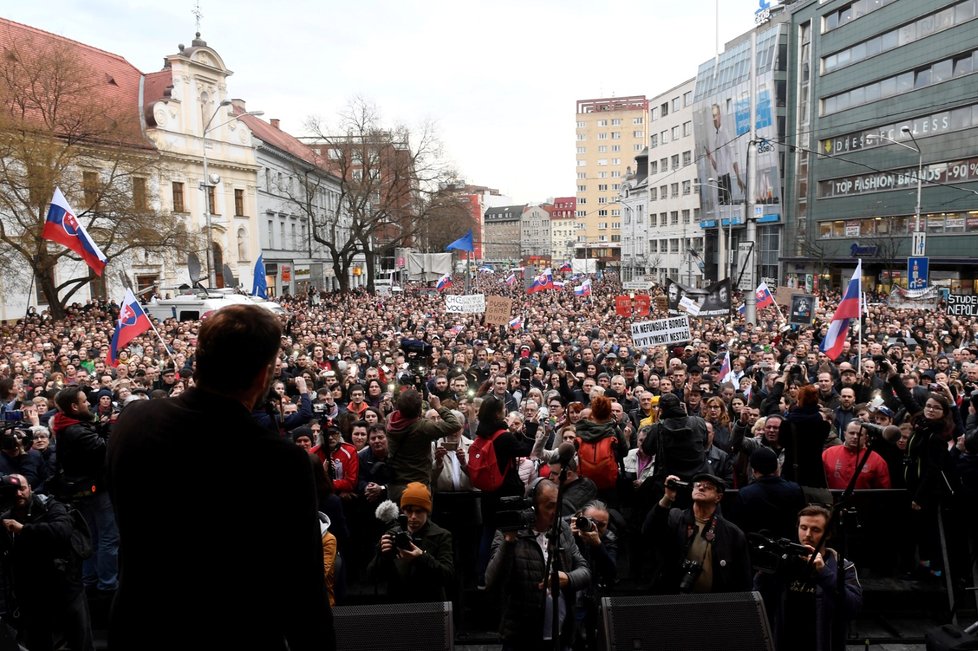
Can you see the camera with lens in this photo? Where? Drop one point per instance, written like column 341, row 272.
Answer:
column 691, row 571
column 771, row 556
column 514, row 513
column 796, row 369
column 584, row 524
column 11, row 437
column 875, row 431
column 400, row 537
column 675, row 484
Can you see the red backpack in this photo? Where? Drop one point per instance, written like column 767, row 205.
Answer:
column 483, row 468
column 596, row 461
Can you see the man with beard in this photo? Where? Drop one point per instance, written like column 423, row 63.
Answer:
column 174, row 572
column 44, row 569
column 81, row 464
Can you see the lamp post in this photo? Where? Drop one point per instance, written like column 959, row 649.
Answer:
column 920, row 168
column 208, row 183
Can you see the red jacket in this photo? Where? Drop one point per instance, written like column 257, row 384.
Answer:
column 346, row 466
column 840, row 462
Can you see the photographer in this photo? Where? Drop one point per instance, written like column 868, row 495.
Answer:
column 599, row 546
column 17, row 456
column 414, row 556
column 81, row 463
column 409, row 437
column 44, row 569
column 699, row 550
column 518, row 565
column 801, row 598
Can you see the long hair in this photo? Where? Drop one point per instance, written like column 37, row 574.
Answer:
column 724, row 419
column 491, row 415
column 943, row 426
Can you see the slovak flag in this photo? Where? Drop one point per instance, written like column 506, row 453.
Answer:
column 763, row 296
column 566, row 267
column 849, row 309
column 541, row 282
column 725, row 368
column 584, row 289
column 558, row 284
column 516, row 323
column 132, row 323
column 444, row 282
column 63, row 227
column 510, row 280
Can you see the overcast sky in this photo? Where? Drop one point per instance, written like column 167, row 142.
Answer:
column 499, row 79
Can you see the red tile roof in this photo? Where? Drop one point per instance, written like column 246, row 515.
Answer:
column 114, row 83
column 275, row 137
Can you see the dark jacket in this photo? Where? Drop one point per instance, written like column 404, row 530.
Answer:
column 81, row 449
column 508, row 447
column 771, row 503
column 409, row 448
column 671, row 531
column 263, row 568
column 929, row 470
column 31, row 465
column 517, row 569
column 44, row 570
column 802, row 437
column 828, row 606
column 422, row 579
column 680, row 454
column 271, row 420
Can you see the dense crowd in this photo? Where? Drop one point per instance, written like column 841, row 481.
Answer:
column 784, row 421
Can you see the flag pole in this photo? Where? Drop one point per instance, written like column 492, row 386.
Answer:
column 859, row 344
column 165, row 347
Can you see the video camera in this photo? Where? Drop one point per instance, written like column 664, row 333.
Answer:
column 514, row 513
column 771, row 556
column 14, row 433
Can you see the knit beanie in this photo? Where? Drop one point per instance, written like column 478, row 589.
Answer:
column 416, row 494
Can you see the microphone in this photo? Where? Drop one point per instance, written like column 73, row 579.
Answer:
column 565, row 452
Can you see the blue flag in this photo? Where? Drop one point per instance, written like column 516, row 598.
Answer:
column 463, row 243
column 260, row 286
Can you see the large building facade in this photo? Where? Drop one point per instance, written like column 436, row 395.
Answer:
column 502, row 234
column 738, row 122
column 878, row 90
column 535, row 239
column 675, row 238
column 563, row 228
column 610, row 133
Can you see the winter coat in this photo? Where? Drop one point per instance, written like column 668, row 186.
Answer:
column 802, row 437
column 424, row 578
column 81, row 449
column 828, row 606
column 670, row 531
column 517, row 569
column 409, row 443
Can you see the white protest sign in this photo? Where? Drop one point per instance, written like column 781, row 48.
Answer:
column 689, row 305
column 468, row 304
column 663, row 331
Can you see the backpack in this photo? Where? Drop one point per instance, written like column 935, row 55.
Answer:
column 80, row 541
column 483, row 468
column 596, row 461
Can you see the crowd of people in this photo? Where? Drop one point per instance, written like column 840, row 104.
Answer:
column 435, row 444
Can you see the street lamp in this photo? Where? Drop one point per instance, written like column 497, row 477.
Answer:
column 920, row 166
column 209, row 182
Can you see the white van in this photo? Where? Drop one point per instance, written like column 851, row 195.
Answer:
column 193, row 307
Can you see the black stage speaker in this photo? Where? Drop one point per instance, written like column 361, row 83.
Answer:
column 694, row 622
column 395, row 627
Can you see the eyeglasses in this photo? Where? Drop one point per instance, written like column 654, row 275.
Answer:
column 933, row 407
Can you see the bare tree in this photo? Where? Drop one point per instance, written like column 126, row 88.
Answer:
column 59, row 128
column 395, row 188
